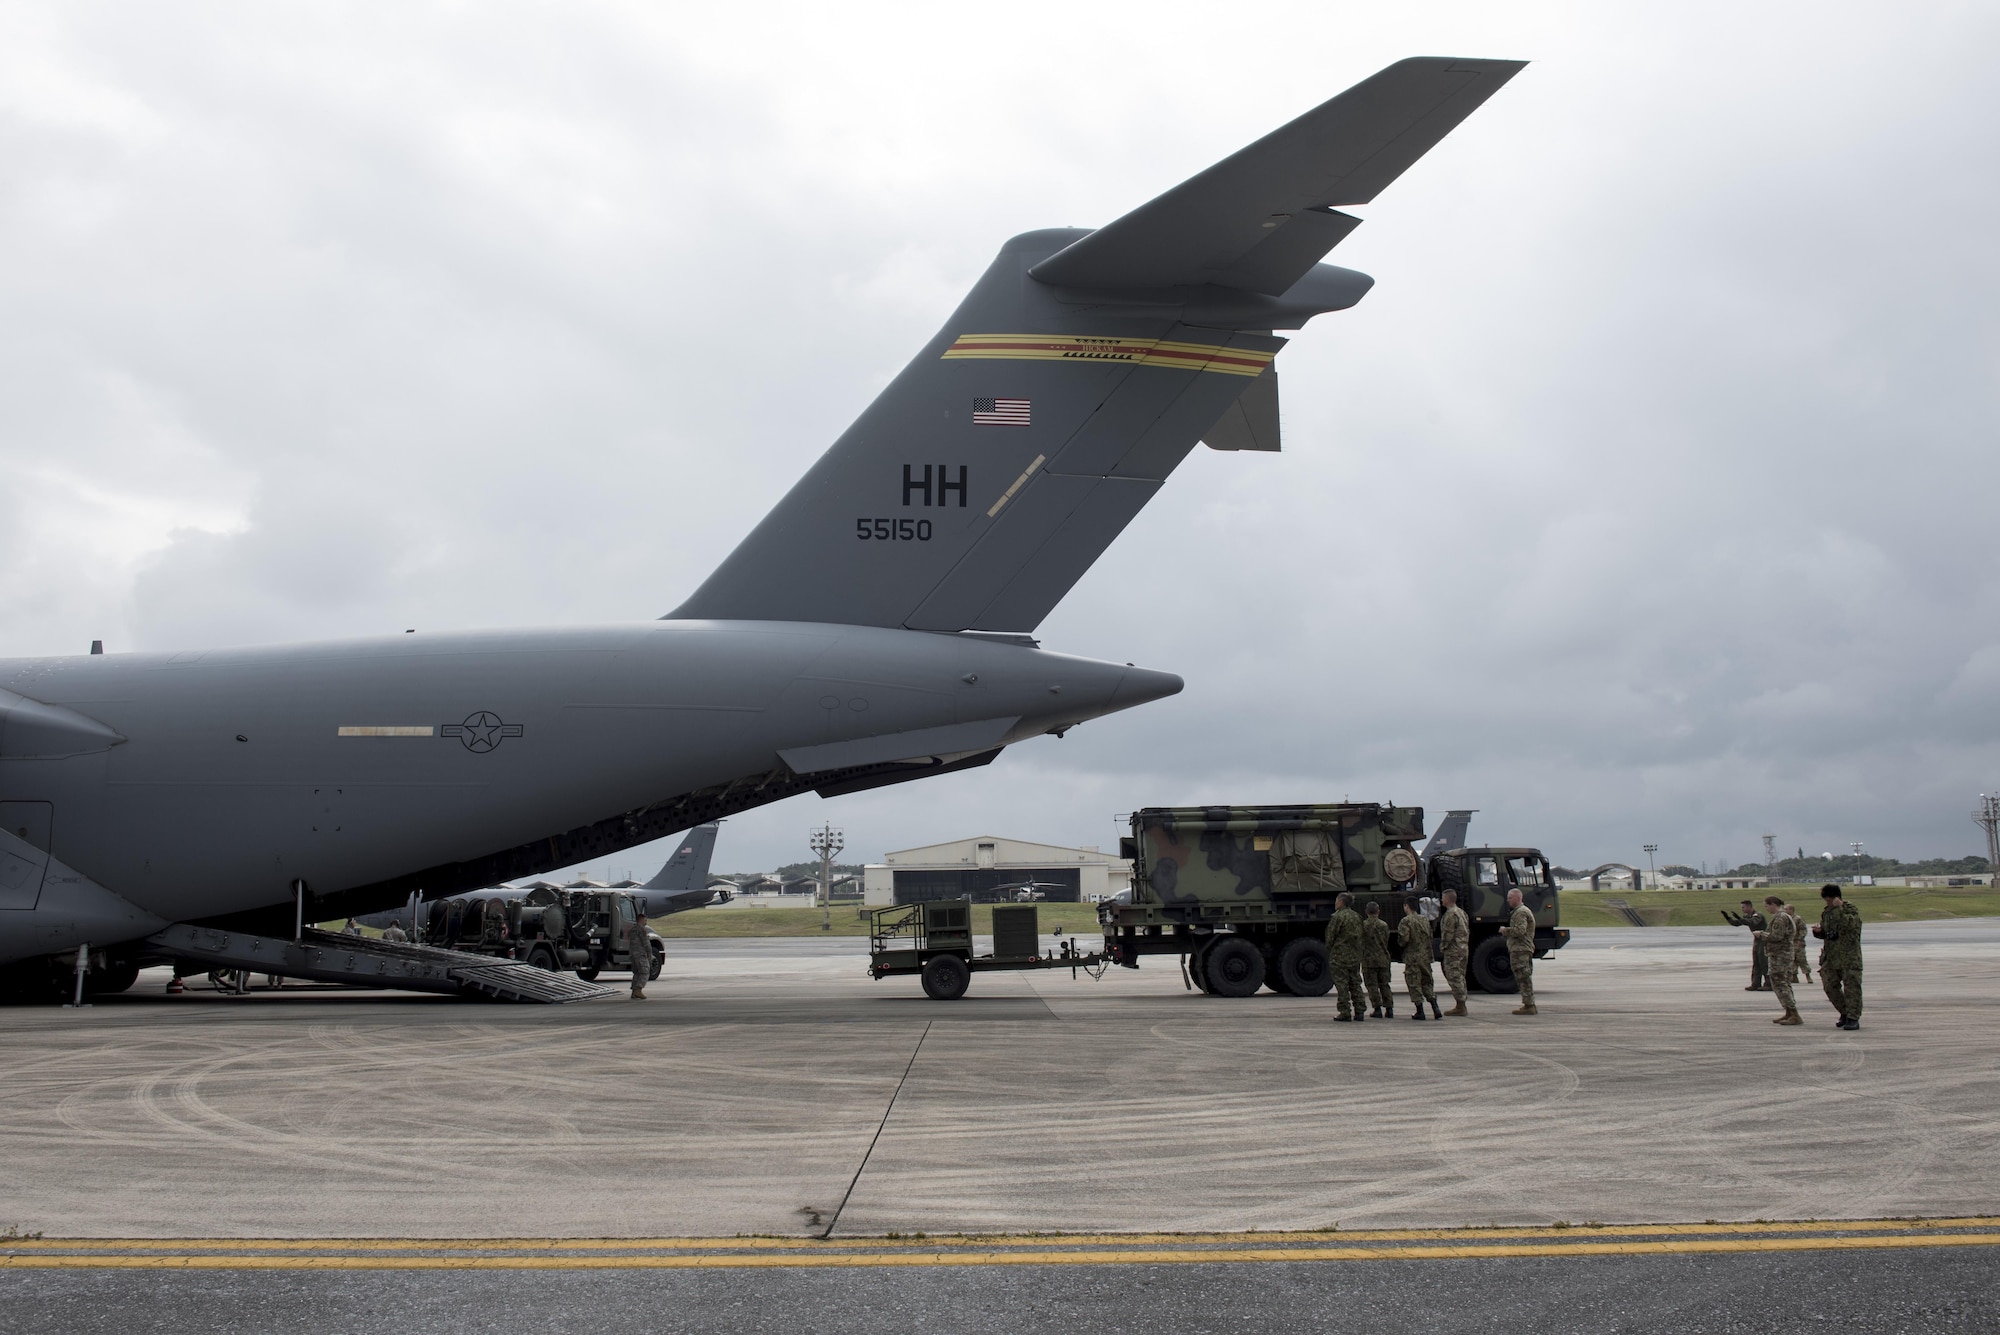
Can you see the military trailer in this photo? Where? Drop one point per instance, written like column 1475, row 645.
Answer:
column 1482, row 877
column 1243, row 894
column 580, row 930
column 934, row 941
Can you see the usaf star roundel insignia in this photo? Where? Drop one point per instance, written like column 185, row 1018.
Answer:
column 481, row 732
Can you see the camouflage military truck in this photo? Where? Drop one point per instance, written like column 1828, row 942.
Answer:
column 581, row 930
column 1482, row 877
column 1244, row 893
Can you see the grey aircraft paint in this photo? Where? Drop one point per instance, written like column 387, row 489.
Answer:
column 871, row 630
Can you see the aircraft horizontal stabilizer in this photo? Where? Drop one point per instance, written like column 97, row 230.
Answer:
column 1261, row 218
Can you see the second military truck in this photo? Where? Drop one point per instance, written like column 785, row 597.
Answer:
column 1244, row 894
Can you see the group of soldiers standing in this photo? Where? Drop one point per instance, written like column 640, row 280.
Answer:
column 1357, row 948
column 1778, row 953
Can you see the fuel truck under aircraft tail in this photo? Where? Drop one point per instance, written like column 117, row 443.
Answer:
column 873, row 629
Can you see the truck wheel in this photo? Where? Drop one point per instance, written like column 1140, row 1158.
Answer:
column 588, row 975
column 1197, row 966
column 543, row 958
column 1304, row 967
column 659, row 953
column 1491, row 970
column 946, row 978
column 1235, row 968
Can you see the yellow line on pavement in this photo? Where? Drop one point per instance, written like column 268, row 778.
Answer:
column 1136, row 1256
column 1571, row 1233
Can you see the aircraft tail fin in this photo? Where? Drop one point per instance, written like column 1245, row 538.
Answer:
column 1081, row 369
column 1449, row 834
column 687, row 869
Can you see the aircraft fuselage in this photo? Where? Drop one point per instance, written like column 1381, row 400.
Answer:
column 359, row 766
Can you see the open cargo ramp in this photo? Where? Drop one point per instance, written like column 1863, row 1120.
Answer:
column 362, row 961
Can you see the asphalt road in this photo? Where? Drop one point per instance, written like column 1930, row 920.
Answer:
column 1921, row 1291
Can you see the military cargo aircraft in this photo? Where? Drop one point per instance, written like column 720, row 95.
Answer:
column 875, row 628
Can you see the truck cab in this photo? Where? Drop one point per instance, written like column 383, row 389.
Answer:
column 1482, row 877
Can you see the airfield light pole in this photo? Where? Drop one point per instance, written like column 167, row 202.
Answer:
column 826, row 841
column 1650, row 850
column 1987, row 818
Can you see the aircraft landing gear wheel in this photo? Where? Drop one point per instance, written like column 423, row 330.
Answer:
column 1305, row 968
column 1235, row 968
column 1491, row 970
column 946, row 978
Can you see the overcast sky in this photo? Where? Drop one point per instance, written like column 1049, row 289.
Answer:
column 1649, row 497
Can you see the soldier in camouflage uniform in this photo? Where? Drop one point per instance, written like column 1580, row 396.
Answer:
column 1415, row 934
column 1776, row 938
column 1343, row 954
column 639, row 954
column 1520, row 935
column 1840, row 958
column 1455, row 945
column 1375, row 963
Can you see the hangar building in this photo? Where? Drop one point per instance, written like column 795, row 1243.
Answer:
column 987, row 869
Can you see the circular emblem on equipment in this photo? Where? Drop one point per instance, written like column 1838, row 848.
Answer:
column 1399, row 864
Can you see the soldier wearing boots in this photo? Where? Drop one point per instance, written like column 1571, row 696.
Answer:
column 1520, row 935
column 1759, row 965
column 1799, row 965
column 1375, row 963
column 1415, row 934
column 639, row 954
column 1455, row 946
column 1777, row 942
column 1343, row 954
column 1840, row 958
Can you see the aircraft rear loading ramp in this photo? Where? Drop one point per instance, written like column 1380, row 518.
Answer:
column 329, row 957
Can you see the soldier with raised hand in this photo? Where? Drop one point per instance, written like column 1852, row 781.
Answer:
column 1777, row 942
column 1375, row 963
column 1455, row 946
column 1415, row 934
column 1520, row 935
column 1840, row 956
column 1343, row 953
column 639, row 954
column 1759, row 966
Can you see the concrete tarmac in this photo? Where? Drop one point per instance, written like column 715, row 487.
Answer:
column 771, row 1087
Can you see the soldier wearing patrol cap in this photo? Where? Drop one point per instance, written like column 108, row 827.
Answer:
column 1776, row 938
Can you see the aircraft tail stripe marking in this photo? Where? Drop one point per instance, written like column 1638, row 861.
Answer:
column 1085, row 348
column 376, row 731
column 1019, row 483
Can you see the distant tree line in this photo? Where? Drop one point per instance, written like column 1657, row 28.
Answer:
column 1801, row 870
column 792, row 871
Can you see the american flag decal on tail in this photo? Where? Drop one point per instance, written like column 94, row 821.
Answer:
column 1000, row 412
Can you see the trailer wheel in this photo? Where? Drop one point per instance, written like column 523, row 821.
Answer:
column 1491, row 970
column 1235, row 968
column 1305, row 968
column 946, row 978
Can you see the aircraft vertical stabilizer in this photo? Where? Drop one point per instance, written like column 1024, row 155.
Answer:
column 1082, row 368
